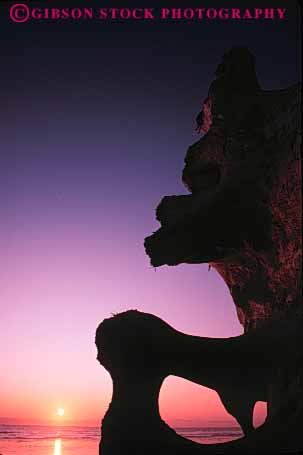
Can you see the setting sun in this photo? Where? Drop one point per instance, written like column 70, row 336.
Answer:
column 60, row 412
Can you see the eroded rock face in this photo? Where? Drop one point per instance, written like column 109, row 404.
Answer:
column 243, row 217
column 140, row 350
column 244, row 212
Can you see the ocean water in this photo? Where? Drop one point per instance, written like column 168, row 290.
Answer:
column 76, row 440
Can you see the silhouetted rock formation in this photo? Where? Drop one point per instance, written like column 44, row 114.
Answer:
column 140, row 350
column 243, row 216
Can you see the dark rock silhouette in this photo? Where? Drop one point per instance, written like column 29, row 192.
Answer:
column 243, row 217
column 140, row 350
column 133, row 344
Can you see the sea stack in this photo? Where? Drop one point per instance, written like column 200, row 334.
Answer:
column 242, row 216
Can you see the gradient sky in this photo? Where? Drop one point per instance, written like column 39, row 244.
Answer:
column 97, row 120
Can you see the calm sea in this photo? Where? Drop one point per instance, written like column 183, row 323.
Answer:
column 72, row 440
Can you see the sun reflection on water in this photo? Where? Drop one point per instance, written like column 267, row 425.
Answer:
column 57, row 447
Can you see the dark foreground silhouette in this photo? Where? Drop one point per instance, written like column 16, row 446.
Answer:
column 243, row 217
column 140, row 350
